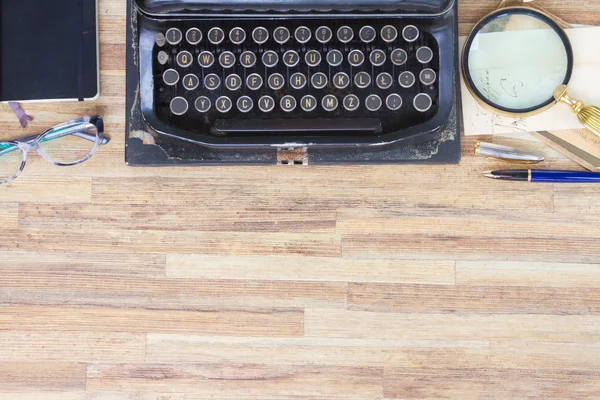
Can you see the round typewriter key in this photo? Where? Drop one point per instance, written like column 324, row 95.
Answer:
column 318, row 80
column 312, row 58
column 345, row 34
column 362, row 80
column 302, row 34
column 323, row 34
column 356, row 58
column 298, row 80
column 406, row 79
column 248, row 59
column 422, row 102
column 254, row 81
column 227, row 59
column 174, row 36
column 329, row 102
column 288, row 103
column 161, row 40
column 266, row 104
column 351, row 102
column 233, row 82
column 245, row 104
column 410, row 33
column 424, row 54
column 393, row 102
column 190, row 82
column 427, row 77
column 399, row 57
column 389, row 33
column 367, row 34
column 237, row 35
column 216, row 35
column 308, row 103
column 193, row 36
column 223, row 104
column 260, row 35
column 212, row 81
column 202, row 104
column 171, row 77
column 179, row 106
column 270, row 58
column 184, row 59
column 334, row 58
column 163, row 58
column 281, row 35
column 291, row 58
column 341, row 80
column 384, row 80
column 276, row 81
column 206, row 59
column 373, row 102
column 377, row 57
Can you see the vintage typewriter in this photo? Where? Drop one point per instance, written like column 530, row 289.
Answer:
column 294, row 81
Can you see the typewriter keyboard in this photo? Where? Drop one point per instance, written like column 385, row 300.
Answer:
column 235, row 77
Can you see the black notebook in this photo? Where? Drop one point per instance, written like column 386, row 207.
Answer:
column 48, row 50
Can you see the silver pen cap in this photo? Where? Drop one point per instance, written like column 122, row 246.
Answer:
column 495, row 151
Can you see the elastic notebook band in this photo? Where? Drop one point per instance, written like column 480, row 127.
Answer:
column 80, row 66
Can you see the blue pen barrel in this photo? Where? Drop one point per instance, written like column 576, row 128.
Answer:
column 565, row 176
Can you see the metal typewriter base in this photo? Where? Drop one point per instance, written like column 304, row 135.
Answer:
column 145, row 147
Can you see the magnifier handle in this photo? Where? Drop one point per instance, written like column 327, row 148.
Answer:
column 589, row 116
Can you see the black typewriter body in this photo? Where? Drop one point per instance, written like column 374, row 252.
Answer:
column 353, row 77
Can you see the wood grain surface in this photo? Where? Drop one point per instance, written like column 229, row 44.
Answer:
column 288, row 283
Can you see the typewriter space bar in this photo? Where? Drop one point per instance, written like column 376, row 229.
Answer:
column 298, row 126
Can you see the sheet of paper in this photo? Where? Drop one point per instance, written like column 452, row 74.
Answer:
column 584, row 85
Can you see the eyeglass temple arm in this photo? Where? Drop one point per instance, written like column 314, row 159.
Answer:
column 74, row 130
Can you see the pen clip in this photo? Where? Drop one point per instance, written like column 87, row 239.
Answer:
column 504, row 153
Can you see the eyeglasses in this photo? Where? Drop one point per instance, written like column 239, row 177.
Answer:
column 66, row 144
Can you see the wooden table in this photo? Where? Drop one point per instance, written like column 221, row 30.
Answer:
column 293, row 282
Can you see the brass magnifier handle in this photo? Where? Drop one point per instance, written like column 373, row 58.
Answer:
column 589, row 116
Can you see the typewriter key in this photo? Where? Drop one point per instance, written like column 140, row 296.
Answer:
column 248, row 59
column 191, row 82
column 276, row 81
column 308, row 103
column 260, row 35
column 410, row 33
column 227, row 59
column 254, row 81
column 329, row 102
column 174, row 36
column 298, row 80
column 212, row 81
column 302, row 34
column 422, row 102
column 202, row 104
column 237, row 35
column 288, row 103
column 356, row 58
column 389, row 33
column 233, row 82
column 163, row 57
column 266, row 104
column 399, row 57
column 351, row 102
column 427, row 77
column 184, row 59
column 318, row 80
column 373, row 102
column 193, row 36
column 393, row 102
column 270, row 58
column 206, row 59
column 406, row 79
column 312, row 58
column 345, row 34
column 223, row 104
column 334, row 58
column 377, row 57
column 179, row 106
column 291, row 58
column 424, row 54
column 362, row 80
column 367, row 34
column 341, row 80
column 323, row 34
column 384, row 80
column 281, row 35
column 171, row 77
column 245, row 104
column 216, row 35
column 161, row 40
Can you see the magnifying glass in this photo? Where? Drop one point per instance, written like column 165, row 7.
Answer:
column 518, row 62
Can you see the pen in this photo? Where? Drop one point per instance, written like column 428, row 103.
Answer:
column 537, row 175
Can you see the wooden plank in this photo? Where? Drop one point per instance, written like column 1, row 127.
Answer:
column 238, row 380
column 384, row 297
column 9, row 215
column 252, row 322
column 542, row 355
column 576, row 199
column 44, row 395
column 71, row 346
column 334, row 351
column 309, row 269
column 39, row 377
column 466, row 326
column 117, row 395
column 32, row 188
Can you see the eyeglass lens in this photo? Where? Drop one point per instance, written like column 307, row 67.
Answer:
column 10, row 161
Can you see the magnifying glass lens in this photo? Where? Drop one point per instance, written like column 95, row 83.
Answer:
column 516, row 61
